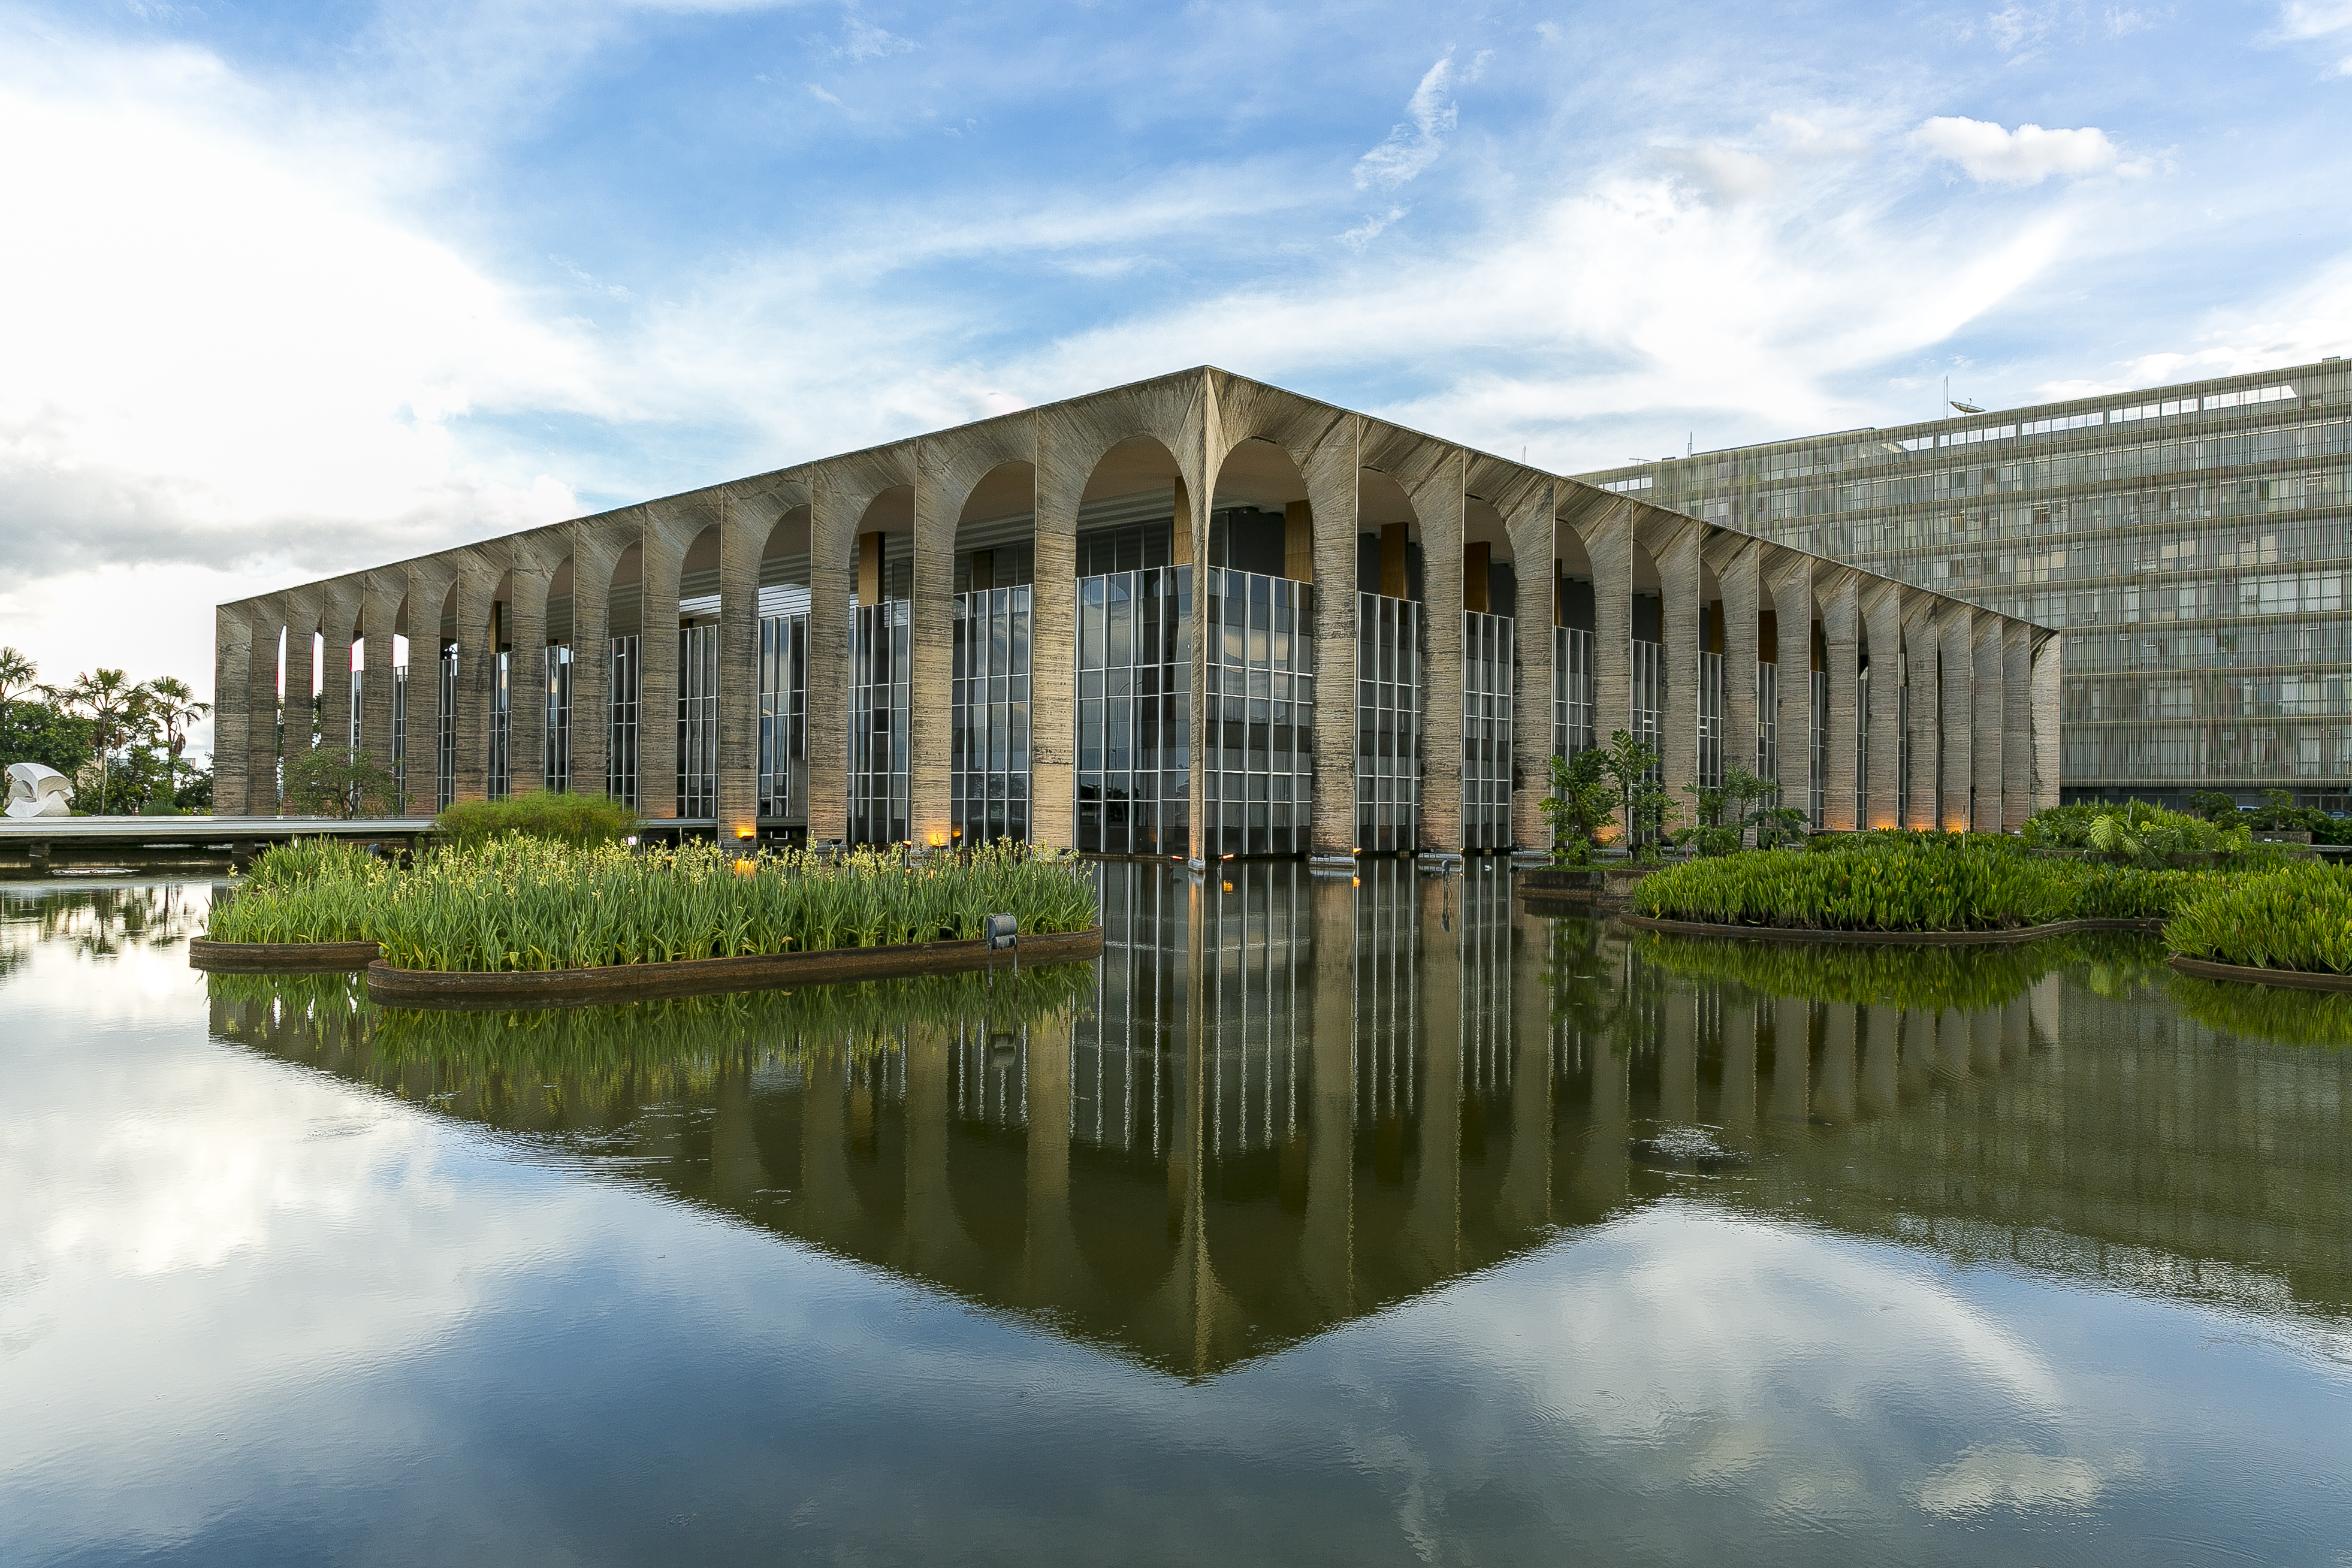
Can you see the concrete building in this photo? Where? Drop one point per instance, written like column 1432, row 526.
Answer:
column 2190, row 543
column 1196, row 616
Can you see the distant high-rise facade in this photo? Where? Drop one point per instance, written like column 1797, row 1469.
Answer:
column 2189, row 542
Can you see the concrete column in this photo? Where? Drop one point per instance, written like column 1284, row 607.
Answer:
column 1062, row 468
column 2048, row 762
column 1050, row 1262
column 335, row 669
column 1440, row 505
column 1610, row 544
column 478, row 587
column 232, row 704
column 2016, row 723
column 1331, row 470
column 931, row 679
column 1921, row 653
column 1434, row 1225
column 1736, row 1105
column 1985, row 653
column 662, row 542
column 1526, row 1181
column 1882, row 609
column 595, row 550
column 269, row 616
column 1194, row 493
column 428, row 592
column 526, row 676
column 1842, row 630
column 742, row 538
column 1678, row 1057
column 302, row 612
column 1791, row 1059
column 1735, row 574
column 1791, row 585
column 833, row 572
column 1533, row 530
column 380, row 617
column 1329, row 1243
column 1677, row 555
column 1880, row 1060
column 1957, row 623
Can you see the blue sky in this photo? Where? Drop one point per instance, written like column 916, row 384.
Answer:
column 293, row 289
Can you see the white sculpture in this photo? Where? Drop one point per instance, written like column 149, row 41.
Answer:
column 34, row 790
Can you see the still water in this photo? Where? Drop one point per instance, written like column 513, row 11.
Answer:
column 1390, row 1221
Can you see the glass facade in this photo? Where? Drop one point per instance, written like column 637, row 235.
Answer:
column 2192, row 544
column 784, row 718
column 1259, row 772
column 1710, row 720
column 1135, row 711
column 621, row 724
column 400, row 736
column 698, row 722
column 556, row 766
column 1571, row 691
column 1768, row 721
column 501, row 725
column 880, row 660
column 989, row 725
column 445, row 730
column 1489, row 653
column 1387, row 724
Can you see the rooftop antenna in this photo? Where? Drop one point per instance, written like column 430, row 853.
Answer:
column 1689, row 441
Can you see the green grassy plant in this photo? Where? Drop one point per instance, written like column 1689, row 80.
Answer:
column 2291, row 915
column 1914, row 881
column 567, row 819
column 524, row 903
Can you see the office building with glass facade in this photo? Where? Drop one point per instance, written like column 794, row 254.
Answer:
column 1194, row 617
column 2190, row 544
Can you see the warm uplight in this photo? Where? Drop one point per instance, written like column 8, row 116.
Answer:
column 742, row 833
column 939, row 841
column 1227, row 886
column 1355, row 882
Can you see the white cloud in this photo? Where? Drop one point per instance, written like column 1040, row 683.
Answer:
column 1419, row 140
column 2026, row 156
column 862, row 40
column 1725, row 174
column 1364, row 232
column 2302, row 20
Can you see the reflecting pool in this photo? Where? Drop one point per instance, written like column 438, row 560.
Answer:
column 1324, row 1219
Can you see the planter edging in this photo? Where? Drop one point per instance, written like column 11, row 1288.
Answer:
column 280, row 957
column 2247, row 974
column 712, row 976
column 1885, row 938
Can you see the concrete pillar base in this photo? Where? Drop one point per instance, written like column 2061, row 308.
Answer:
column 1444, row 859
column 1343, row 865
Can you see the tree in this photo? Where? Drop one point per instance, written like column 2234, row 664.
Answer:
column 1647, row 808
column 1726, row 812
column 16, row 672
column 324, row 782
column 1577, row 807
column 116, row 709
column 172, row 707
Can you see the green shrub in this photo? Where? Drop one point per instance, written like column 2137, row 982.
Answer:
column 566, row 819
column 2134, row 830
column 2292, row 916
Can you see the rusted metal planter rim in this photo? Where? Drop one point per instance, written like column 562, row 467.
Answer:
column 2288, row 979
column 280, row 957
column 713, row 977
column 1885, row 938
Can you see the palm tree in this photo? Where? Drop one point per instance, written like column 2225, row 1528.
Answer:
column 114, row 705
column 172, row 707
column 16, row 672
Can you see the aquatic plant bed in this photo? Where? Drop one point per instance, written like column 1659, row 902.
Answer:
column 2293, row 980
column 1879, row 885
column 524, row 904
column 1885, row 938
column 711, row 977
column 280, row 957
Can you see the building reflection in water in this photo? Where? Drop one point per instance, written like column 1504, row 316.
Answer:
column 1369, row 1085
